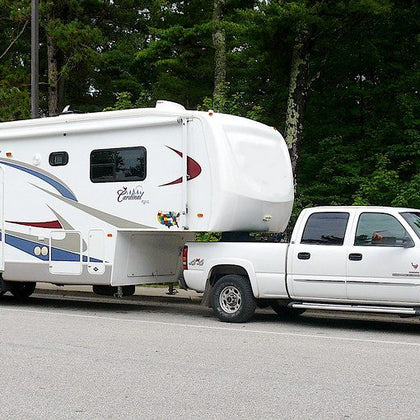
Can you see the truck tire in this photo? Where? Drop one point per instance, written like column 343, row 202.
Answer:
column 22, row 290
column 232, row 299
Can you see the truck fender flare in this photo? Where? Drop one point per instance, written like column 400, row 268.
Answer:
column 244, row 264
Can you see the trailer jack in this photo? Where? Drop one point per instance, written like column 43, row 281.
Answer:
column 119, row 293
column 171, row 290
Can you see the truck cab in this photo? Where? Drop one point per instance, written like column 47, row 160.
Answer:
column 361, row 259
column 360, row 254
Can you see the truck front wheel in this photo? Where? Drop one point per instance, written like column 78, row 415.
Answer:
column 232, row 299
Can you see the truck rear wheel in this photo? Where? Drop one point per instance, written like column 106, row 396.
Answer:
column 232, row 299
column 22, row 290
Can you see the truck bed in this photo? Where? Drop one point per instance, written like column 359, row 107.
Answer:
column 264, row 262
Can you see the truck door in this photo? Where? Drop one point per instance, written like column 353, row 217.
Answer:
column 317, row 259
column 380, row 267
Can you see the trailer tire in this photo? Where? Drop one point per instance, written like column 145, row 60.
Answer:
column 232, row 299
column 285, row 311
column 22, row 290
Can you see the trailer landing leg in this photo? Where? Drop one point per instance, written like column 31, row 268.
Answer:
column 119, row 293
column 171, row 290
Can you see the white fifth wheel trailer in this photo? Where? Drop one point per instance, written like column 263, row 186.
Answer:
column 108, row 199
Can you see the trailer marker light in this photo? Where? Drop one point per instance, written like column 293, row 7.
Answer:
column 9, row 154
column 109, row 235
column 200, row 215
column 211, row 112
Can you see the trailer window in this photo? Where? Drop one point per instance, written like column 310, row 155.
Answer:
column 325, row 228
column 58, row 158
column 118, row 165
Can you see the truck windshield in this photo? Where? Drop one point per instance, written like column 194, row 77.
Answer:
column 413, row 219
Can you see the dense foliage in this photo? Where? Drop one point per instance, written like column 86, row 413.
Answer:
column 340, row 78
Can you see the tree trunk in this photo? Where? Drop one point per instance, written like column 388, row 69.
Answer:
column 298, row 93
column 219, row 44
column 52, row 78
column 55, row 79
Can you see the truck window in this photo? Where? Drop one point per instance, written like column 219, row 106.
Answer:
column 118, row 165
column 379, row 229
column 413, row 219
column 327, row 228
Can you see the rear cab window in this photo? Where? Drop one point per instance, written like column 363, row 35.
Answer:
column 325, row 228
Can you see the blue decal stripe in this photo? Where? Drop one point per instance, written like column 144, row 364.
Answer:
column 63, row 190
column 24, row 245
column 56, row 253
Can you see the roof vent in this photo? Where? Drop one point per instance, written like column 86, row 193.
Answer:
column 169, row 106
column 68, row 110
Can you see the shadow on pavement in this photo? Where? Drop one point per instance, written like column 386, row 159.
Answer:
column 104, row 305
column 311, row 319
column 346, row 321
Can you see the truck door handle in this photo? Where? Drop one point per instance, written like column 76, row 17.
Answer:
column 304, row 255
column 355, row 257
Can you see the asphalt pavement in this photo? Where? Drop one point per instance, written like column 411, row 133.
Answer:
column 105, row 358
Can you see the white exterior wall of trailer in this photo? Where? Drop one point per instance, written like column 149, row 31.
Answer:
column 79, row 210
column 252, row 176
column 76, row 226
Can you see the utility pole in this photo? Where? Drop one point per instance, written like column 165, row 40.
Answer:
column 35, row 58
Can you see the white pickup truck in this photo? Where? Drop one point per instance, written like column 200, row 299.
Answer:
column 363, row 259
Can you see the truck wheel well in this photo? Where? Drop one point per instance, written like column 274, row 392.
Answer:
column 216, row 273
column 222, row 270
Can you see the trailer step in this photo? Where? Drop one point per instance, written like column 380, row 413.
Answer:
column 357, row 308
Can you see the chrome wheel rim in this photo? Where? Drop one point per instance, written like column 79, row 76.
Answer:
column 230, row 299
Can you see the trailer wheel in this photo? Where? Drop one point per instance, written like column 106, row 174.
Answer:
column 22, row 290
column 232, row 299
column 286, row 311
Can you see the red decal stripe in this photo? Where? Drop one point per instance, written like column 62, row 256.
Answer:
column 193, row 169
column 54, row 224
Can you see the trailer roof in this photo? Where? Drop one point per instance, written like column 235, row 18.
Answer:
column 164, row 113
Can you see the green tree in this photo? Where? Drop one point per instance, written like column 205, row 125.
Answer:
column 73, row 39
column 14, row 60
column 126, row 30
column 366, row 108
